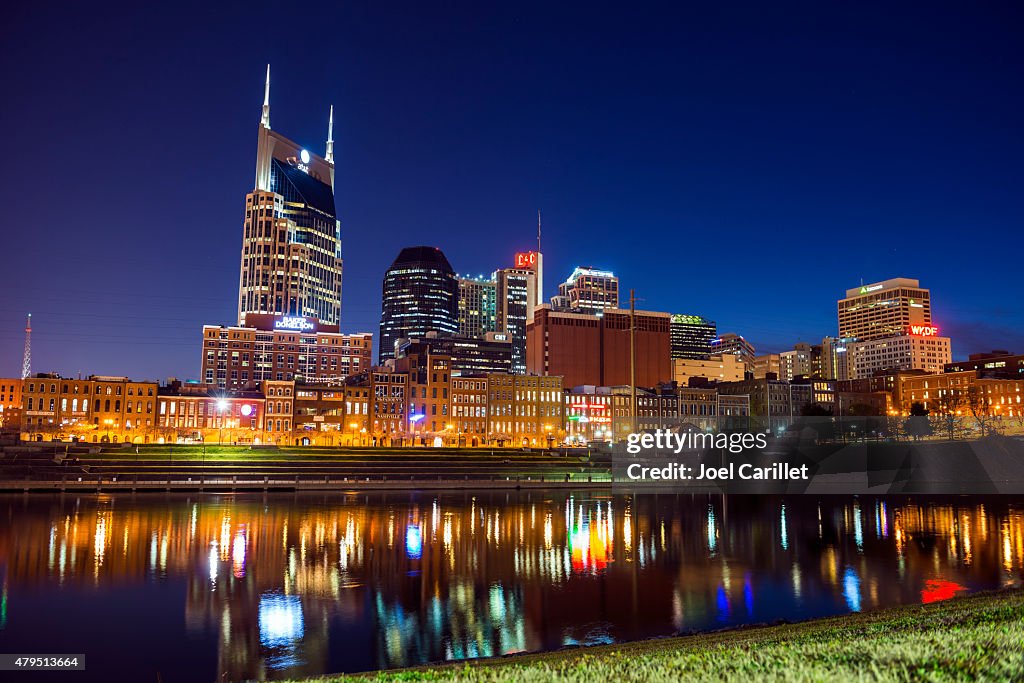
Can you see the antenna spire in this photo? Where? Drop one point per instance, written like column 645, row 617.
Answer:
column 538, row 230
column 265, row 120
column 26, row 361
column 329, row 157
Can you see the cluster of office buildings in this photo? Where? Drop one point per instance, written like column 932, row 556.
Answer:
column 483, row 360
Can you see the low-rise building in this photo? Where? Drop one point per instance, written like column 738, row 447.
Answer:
column 98, row 409
column 320, row 418
column 196, row 413
column 280, row 410
column 10, row 404
column 525, row 410
column 469, row 409
column 966, row 392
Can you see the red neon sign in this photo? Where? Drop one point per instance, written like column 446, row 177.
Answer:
column 526, row 259
column 924, row 330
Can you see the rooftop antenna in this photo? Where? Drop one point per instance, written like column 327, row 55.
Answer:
column 538, row 230
column 26, row 360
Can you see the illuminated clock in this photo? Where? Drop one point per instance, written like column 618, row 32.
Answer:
column 304, row 155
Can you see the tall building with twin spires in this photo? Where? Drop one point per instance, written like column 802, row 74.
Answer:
column 291, row 246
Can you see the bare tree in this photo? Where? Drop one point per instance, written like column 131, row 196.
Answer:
column 979, row 405
column 948, row 416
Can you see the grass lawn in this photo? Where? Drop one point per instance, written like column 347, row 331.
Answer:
column 972, row 638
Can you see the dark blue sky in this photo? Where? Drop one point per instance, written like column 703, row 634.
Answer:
column 744, row 161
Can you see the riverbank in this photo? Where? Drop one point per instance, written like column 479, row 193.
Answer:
column 236, row 469
column 977, row 637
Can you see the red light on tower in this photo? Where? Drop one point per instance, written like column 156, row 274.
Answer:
column 924, row 330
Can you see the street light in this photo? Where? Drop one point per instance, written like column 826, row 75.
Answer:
column 222, row 405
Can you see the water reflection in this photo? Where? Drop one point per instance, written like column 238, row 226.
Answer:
column 274, row 587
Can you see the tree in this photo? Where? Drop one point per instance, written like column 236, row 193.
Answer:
column 980, row 407
column 948, row 415
column 917, row 425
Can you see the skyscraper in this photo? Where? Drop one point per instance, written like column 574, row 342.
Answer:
column 692, row 336
column 892, row 323
column 884, row 309
column 477, row 310
column 516, row 301
column 291, row 245
column 588, row 290
column 420, row 294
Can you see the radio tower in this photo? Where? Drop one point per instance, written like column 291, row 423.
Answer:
column 26, row 362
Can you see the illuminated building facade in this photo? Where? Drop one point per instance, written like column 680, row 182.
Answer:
column 835, row 358
column 10, row 403
column 430, row 385
column 493, row 353
column 281, row 348
column 477, row 306
column 734, row 344
column 195, row 413
column 588, row 414
column 517, row 296
column 804, row 360
column 533, row 261
column 469, row 408
column 692, row 336
column 595, row 349
column 963, row 392
column 718, row 368
column 291, row 248
column 98, row 409
column 525, row 410
column 420, row 295
column 884, row 309
column 320, row 417
column 764, row 365
column 280, row 410
column 388, row 400
column 919, row 349
column 589, row 291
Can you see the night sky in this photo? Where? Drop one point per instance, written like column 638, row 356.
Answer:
column 744, row 161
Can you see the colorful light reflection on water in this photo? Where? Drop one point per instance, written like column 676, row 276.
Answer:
column 235, row 588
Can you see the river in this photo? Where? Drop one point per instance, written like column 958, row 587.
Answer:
column 249, row 587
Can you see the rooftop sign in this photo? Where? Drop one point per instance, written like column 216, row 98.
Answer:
column 296, row 323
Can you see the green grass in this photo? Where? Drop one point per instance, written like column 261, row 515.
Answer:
column 973, row 638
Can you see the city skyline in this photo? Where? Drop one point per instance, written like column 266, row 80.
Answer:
column 102, row 317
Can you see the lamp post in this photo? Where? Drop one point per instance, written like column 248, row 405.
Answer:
column 222, row 405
